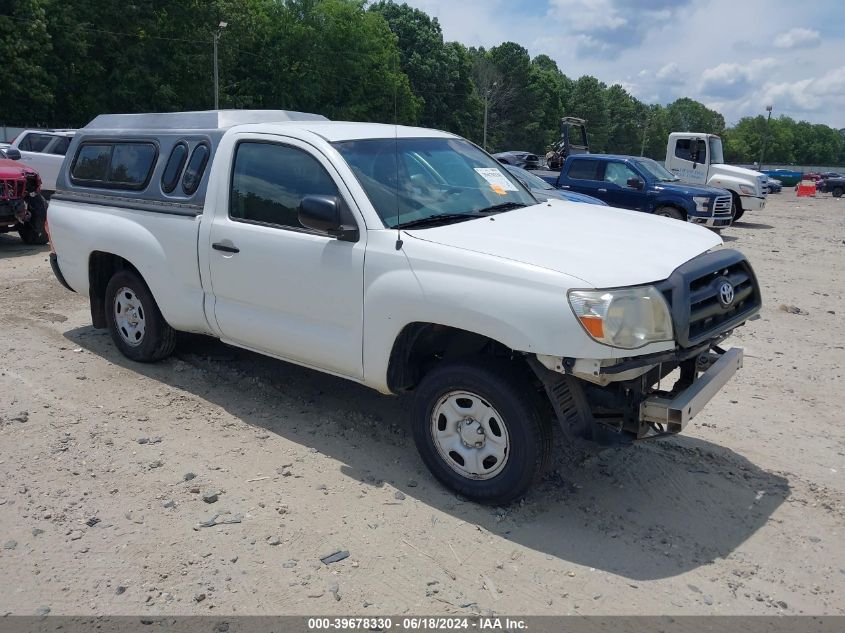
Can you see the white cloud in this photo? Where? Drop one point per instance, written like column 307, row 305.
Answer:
column 807, row 95
column 587, row 15
column 731, row 80
column 669, row 71
column 798, row 38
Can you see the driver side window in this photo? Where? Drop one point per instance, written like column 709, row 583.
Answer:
column 618, row 174
column 270, row 180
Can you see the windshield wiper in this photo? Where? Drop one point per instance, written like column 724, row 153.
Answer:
column 505, row 206
column 437, row 219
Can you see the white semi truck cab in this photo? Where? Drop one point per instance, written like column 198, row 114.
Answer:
column 698, row 158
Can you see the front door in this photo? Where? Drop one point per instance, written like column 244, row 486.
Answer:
column 278, row 287
column 691, row 160
column 619, row 192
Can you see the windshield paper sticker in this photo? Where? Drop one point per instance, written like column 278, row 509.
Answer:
column 498, row 181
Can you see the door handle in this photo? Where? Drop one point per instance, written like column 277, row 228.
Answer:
column 226, row 248
column 603, row 190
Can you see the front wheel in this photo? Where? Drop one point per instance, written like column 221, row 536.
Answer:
column 736, row 210
column 837, row 192
column 479, row 430
column 135, row 322
column 34, row 230
column 669, row 212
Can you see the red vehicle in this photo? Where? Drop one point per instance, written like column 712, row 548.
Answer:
column 22, row 207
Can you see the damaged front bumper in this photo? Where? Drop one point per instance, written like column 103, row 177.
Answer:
column 671, row 413
column 622, row 404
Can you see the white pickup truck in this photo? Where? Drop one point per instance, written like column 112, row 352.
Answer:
column 405, row 259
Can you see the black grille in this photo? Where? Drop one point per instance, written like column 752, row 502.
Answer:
column 707, row 312
column 693, row 292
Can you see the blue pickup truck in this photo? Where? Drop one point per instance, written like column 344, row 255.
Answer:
column 642, row 184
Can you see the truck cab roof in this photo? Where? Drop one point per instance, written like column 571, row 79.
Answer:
column 142, row 158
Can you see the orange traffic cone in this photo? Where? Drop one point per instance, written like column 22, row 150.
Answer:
column 806, row 188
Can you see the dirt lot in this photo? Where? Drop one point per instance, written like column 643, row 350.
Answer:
column 743, row 514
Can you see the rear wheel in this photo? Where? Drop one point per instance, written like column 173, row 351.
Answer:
column 34, row 230
column 478, row 427
column 837, row 192
column 670, row 212
column 135, row 323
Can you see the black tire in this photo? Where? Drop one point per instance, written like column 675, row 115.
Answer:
column 836, row 192
column 158, row 339
column 669, row 212
column 34, row 231
column 736, row 209
column 499, row 384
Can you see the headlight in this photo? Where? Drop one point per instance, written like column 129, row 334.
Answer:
column 702, row 203
column 627, row 317
column 748, row 190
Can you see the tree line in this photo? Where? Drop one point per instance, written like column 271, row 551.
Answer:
column 66, row 62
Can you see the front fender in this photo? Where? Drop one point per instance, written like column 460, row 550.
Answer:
column 523, row 307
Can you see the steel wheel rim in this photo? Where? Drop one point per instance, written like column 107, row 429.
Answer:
column 129, row 316
column 469, row 434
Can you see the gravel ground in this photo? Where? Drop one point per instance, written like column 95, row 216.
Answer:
column 215, row 482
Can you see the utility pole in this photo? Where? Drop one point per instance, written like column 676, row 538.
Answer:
column 765, row 137
column 215, row 40
column 486, row 108
column 645, row 134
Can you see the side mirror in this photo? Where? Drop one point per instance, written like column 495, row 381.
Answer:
column 635, row 183
column 12, row 153
column 325, row 214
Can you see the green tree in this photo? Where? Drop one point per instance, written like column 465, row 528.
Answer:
column 439, row 73
column 587, row 101
column 625, row 121
column 688, row 115
column 26, row 52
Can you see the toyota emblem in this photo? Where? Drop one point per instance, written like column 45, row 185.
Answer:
column 726, row 294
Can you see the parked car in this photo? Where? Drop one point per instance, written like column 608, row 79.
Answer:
column 543, row 191
column 787, row 177
column 526, row 160
column 44, row 151
column 22, row 207
column 407, row 260
column 642, row 184
column 774, row 185
column 834, row 186
column 832, row 174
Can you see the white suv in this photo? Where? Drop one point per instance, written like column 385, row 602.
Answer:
column 44, row 151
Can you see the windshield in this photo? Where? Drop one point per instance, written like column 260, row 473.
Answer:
column 410, row 180
column 528, row 179
column 716, row 155
column 657, row 170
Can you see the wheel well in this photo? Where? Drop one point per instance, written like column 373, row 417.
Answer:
column 736, row 200
column 419, row 346
column 672, row 205
column 101, row 267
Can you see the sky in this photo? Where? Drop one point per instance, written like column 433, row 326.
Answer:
column 736, row 56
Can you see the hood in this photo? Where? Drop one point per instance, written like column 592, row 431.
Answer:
column 691, row 190
column 13, row 169
column 560, row 194
column 739, row 172
column 603, row 246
